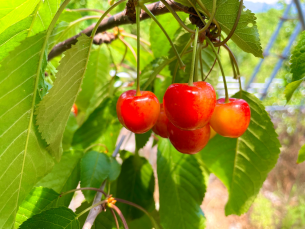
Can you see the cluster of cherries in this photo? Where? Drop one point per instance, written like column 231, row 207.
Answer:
column 186, row 116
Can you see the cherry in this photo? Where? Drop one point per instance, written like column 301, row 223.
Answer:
column 189, row 107
column 74, row 109
column 161, row 126
column 231, row 119
column 188, row 141
column 138, row 113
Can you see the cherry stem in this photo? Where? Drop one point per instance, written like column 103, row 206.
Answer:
column 181, row 54
column 141, row 209
column 233, row 68
column 115, row 218
column 197, row 62
column 124, row 55
column 200, row 61
column 234, row 26
column 182, row 65
column 138, row 12
column 130, row 47
column 233, row 59
column 79, row 189
column 211, row 17
column 173, row 12
column 97, row 144
column 221, row 68
column 191, row 79
column 112, row 59
column 135, row 37
column 240, row 88
column 118, row 211
column 104, row 15
column 92, row 206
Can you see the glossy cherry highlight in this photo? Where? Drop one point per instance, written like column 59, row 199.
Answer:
column 160, row 128
column 188, row 141
column 189, row 107
column 138, row 113
column 231, row 119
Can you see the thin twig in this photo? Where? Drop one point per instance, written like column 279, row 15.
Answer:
column 115, row 218
column 130, row 47
column 120, row 215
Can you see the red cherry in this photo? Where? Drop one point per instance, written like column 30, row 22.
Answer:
column 161, row 126
column 138, row 113
column 231, row 119
column 188, row 141
column 74, row 109
column 189, row 107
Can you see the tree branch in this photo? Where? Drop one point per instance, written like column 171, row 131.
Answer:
column 118, row 19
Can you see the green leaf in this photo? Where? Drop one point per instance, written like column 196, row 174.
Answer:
column 301, row 157
column 43, row 15
column 115, row 169
column 70, row 129
column 54, row 110
column 136, row 184
column 96, row 78
column 159, row 43
column 14, row 11
column 181, row 188
column 38, row 21
column 297, row 59
column 38, row 200
column 64, row 176
column 98, row 123
column 22, row 152
column 243, row 164
column 95, row 168
column 54, row 218
column 291, row 87
column 142, row 139
column 246, row 34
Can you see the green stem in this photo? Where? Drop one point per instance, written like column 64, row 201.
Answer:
column 138, row 12
column 200, row 61
column 182, row 65
column 140, row 208
column 118, row 211
column 135, row 37
column 115, row 219
column 129, row 47
column 211, row 16
column 221, row 68
column 104, row 15
column 173, row 12
column 233, row 58
column 191, row 80
column 197, row 62
column 97, row 144
column 181, row 54
column 240, row 87
column 85, row 10
column 79, row 189
column 233, row 68
column 198, row 13
column 89, row 208
column 112, row 59
column 124, row 55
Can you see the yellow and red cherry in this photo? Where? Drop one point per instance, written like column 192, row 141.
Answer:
column 188, row 141
column 138, row 113
column 231, row 119
column 160, row 128
column 189, row 107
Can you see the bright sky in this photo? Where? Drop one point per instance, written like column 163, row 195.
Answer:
column 266, row 1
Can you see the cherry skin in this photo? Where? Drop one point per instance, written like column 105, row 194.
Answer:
column 231, row 119
column 189, row 107
column 161, row 126
column 188, row 141
column 74, row 109
column 138, row 113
